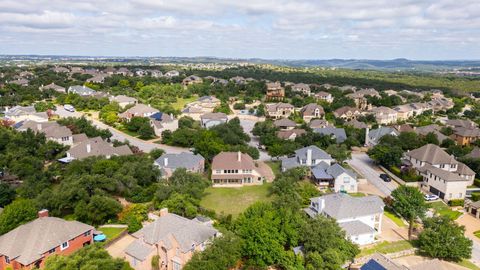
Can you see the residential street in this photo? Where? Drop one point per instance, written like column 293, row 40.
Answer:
column 364, row 165
column 248, row 127
column 145, row 146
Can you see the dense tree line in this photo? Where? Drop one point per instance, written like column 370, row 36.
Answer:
column 209, row 142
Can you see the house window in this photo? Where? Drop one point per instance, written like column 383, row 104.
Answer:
column 218, row 171
column 51, row 251
column 86, row 233
column 176, row 266
column 449, row 195
column 346, row 180
column 7, row 259
column 134, row 261
column 64, row 245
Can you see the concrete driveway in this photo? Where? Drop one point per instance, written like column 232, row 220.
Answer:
column 366, row 167
column 247, row 126
column 116, row 249
column 472, row 225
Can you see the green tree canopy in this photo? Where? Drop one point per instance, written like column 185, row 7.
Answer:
column 443, row 238
column 410, row 204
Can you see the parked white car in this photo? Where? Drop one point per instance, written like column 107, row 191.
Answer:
column 69, row 108
column 430, row 197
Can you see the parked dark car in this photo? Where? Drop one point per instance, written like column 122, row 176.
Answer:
column 385, row 177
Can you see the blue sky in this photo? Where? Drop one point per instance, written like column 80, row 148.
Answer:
column 273, row 29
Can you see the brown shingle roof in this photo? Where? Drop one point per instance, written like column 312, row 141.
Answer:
column 232, row 161
column 29, row 241
column 432, row 154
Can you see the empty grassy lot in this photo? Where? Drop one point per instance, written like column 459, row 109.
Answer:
column 234, row 200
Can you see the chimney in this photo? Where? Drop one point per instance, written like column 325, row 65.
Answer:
column 309, row 157
column 163, row 212
column 39, row 126
column 89, row 148
column 367, row 131
column 320, row 205
column 239, row 156
column 43, row 213
column 165, row 161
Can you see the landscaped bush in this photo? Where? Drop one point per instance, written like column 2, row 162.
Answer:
column 457, row 202
column 409, row 175
column 475, row 196
column 476, row 182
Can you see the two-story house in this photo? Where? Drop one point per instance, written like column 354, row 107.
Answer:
column 312, row 111
column 28, row 245
column 442, row 174
column 279, row 110
column 324, row 96
column 359, row 217
column 19, row 113
column 174, row 239
column 275, row 91
column 52, row 131
column 384, row 115
column 234, row 169
column 347, row 113
column 301, row 88
column 466, row 136
column 335, row 177
column 202, row 105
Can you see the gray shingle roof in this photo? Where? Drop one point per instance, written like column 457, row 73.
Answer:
column 317, row 153
column 356, row 228
column 98, row 147
column 81, row 90
column 139, row 250
column 340, row 206
column 29, row 241
column 182, row 160
column 338, row 133
column 375, row 134
column 185, row 231
column 432, row 154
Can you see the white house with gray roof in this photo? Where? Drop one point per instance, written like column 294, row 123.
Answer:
column 335, row 177
column 19, row 114
column 173, row 238
column 168, row 163
column 308, row 156
column 359, row 217
column 81, row 90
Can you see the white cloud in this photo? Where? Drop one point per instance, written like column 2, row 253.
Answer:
column 247, row 28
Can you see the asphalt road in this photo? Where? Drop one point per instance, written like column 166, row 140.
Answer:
column 145, row 146
column 365, row 166
column 254, row 141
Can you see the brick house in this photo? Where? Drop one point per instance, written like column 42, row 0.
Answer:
column 275, row 91
column 28, row 245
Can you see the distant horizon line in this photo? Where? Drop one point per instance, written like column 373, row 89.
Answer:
column 239, row 58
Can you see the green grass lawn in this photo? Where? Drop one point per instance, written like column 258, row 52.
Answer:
column 181, row 102
column 275, row 166
column 477, row 234
column 111, row 233
column 234, row 200
column 394, row 217
column 357, row 194
column 386, row 247
column 443, row 210
column 468, row 264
